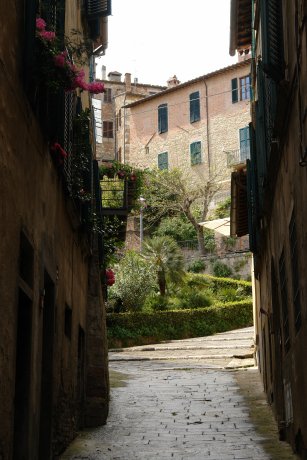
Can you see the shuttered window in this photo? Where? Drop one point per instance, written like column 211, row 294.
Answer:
column 244, row 144
column 107, row 96
column 108, row 129
column 98, row 8
column 234, row 90
column 195, row 153
column 163, row 160
column 194, row 107
column 162, row 118
column 272, row 38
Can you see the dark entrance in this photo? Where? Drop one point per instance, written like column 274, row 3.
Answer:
column 46, row 406
column 22, row 378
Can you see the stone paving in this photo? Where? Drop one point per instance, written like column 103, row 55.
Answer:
column 182, row 409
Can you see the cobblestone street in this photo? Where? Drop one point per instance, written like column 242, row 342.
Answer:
column 183, row 408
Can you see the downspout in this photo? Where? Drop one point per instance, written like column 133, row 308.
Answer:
column 207, row 119
column 124, row 153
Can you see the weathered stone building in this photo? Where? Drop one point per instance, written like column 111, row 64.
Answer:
column 53, row 354
column 276, row 201
column 192, row 125
column 112, row 119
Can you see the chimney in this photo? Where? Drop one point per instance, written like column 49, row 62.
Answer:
column 103, row 72
column 128, row 82
column 172, row 81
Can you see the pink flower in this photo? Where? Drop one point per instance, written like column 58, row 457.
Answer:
column 57, row 148
column 96, row 87
column 47, row 35
column 40, row 24
column 80, row 83
column 60, row 59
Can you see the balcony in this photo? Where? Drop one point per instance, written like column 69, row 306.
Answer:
column 237, row 157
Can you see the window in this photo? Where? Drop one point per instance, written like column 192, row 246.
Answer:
column 295, row 278
column 284, row 300
column 107, row 97
column 147, row 149
column 162, row 118
column 242, row 91
column 194, row 107
column 108, row 129
column 244, row 144
column 245, row 85
column 272, row 38
column 163, row 160
column 195, row 153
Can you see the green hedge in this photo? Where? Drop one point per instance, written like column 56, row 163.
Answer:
column 216, row 283
column 127, row 329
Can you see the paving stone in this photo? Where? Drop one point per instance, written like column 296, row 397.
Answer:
column 182, row 411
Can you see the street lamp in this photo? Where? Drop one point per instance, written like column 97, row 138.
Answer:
column 142, row 206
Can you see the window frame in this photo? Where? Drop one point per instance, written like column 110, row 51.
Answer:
column 162, row 118
column 107, row 95
column 196, row 154
column 245, row 87
column 194, row 106
column 107, row 128
column 163, row 162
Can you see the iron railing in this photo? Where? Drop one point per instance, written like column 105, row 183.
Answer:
column 237, row 157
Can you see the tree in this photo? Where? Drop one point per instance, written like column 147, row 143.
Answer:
column 165, row 257
column 175, row 192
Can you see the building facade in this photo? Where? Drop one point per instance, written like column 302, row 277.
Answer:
column 276, row 201
column 112, row 119
column 192, row 125
column 53, row 351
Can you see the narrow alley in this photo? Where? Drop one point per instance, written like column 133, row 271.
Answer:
column 193, row 399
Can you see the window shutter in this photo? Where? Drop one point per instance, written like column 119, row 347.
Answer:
column 272, row 38
column 244, row 143
column 194, row 107
column 195, row 153
column 162, row 118
column 163, row 160
column 234, row 90
column 252, row 193
column 98, row 8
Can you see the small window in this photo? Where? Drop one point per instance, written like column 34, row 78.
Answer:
column 147, row 149
column 162, row 118
column 108, row 129
column 245, row 85
column 107, row 97
column 194, row 107
column 195, row 153
column 163, row 160
column 242, row 91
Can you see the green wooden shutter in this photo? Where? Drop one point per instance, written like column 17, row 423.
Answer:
column 234, row 90
column 244, row 143
column 162, row 118
column 98, row 8
column 163, row 160
column 194, row 107
column 272, row 38
column 195, row 153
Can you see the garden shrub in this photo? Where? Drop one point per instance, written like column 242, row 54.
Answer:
column 220, row 269
column 244, row 288
column 135, row 279
column 196, row 266
column 138, row 327
column 192, row 298
column 155, row 302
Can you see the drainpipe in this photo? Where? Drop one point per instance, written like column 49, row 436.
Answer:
column 207, row 119
column 124, row 153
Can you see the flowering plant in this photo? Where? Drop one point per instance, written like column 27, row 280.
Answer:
column 56, row 65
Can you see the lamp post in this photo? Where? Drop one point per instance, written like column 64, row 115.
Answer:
column 142, row 202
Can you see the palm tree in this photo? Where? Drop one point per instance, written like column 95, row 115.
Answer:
column 165, row 256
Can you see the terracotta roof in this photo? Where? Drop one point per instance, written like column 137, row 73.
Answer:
column 190, row 82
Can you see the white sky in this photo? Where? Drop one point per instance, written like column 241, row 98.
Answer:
column 153, row 40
